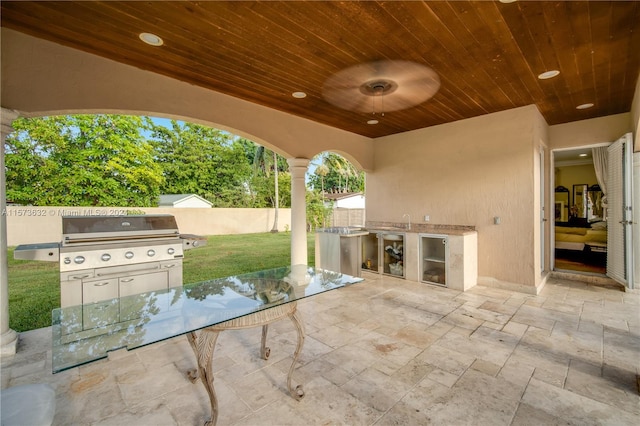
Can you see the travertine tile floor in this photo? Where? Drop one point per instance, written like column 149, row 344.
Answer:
column 383, row 352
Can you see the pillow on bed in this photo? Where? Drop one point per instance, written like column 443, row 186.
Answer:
column 599, row 225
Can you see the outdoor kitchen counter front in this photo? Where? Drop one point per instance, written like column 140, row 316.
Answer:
column 85, row 333
column 459, row 260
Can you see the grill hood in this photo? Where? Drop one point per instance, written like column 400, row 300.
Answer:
column 90, row 229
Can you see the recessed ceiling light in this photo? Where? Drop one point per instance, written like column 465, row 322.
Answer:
column 582, row 155
column 373, row 121
column 584, row 106
column 508, row 1
column 548, row 74
column 151, row 39
column 299, row 95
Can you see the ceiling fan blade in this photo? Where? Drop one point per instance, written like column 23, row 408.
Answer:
column 350, row 99
column 398, row 84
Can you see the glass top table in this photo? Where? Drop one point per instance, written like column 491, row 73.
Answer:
column 86, row 333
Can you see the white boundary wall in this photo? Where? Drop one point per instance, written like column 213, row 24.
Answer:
column 30, row 224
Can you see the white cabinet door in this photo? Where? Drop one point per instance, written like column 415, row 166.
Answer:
column 100, row 305
column 132, row 307
column 136, row 284
column 99, row 290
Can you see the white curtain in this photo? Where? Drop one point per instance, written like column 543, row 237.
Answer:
column 600, row 158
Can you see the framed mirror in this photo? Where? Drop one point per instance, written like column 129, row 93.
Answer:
column 561, row 205
column 579, row 202
column 595, row 205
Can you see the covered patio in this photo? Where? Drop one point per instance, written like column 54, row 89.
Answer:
column 384, row 351
column 524, row 346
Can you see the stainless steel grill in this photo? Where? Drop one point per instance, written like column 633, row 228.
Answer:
column 104, row 257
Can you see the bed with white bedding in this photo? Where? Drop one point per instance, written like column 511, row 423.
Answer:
column 577, row 238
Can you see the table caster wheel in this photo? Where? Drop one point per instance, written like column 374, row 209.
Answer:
column 299, row 393
column 193, row 375
column 266, row 353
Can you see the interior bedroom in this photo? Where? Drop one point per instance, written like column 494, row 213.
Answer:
column 580, row 211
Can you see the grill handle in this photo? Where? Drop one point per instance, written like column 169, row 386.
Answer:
column 153, row 268
column 81, row 277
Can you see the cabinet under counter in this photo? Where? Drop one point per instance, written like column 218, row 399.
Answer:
column 449, row 258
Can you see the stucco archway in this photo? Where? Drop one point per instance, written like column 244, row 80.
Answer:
column 44, row 78
column 297, row 166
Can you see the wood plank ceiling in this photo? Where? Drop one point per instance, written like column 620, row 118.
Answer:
column 487, row 54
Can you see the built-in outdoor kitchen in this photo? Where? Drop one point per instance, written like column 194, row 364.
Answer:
column 444, row 255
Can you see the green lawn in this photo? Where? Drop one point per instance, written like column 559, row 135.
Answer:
column 34, row 287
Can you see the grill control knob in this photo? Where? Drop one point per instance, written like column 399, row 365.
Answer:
column 129, row 255
column 67, row 260
column 151, row 253
column 78, row 259
column 171, row 250
column 105, row 257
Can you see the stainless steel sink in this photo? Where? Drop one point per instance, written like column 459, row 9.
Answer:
column 343, row 230
column 389, row 232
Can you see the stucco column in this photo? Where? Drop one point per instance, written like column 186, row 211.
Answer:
column 8, row 337
column 298, row 169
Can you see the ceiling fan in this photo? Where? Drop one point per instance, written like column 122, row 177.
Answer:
column 381, row 86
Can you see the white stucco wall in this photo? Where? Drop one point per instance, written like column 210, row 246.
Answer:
column 466, row 173
column 470, row 171
column 32, row 224
column 354, row 202
column 589, row 132
column 543, row 194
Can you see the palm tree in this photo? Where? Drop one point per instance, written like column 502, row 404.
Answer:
column 342, row 167
column 261, row 162
column 322, row 170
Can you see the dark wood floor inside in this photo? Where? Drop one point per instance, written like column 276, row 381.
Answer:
column 580, row 262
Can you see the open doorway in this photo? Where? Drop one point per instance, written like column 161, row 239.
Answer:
column 580, row 227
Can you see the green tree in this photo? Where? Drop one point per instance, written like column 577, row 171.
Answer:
column 265, row 189
column 322, row 170
column 249, row 148
column 317, row 212
column 275, row 193
column 203, row 161
column 267, row 163
column 81, row 160
column 336, row 173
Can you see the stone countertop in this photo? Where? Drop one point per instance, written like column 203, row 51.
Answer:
column 343, row 231
column 420, row 228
